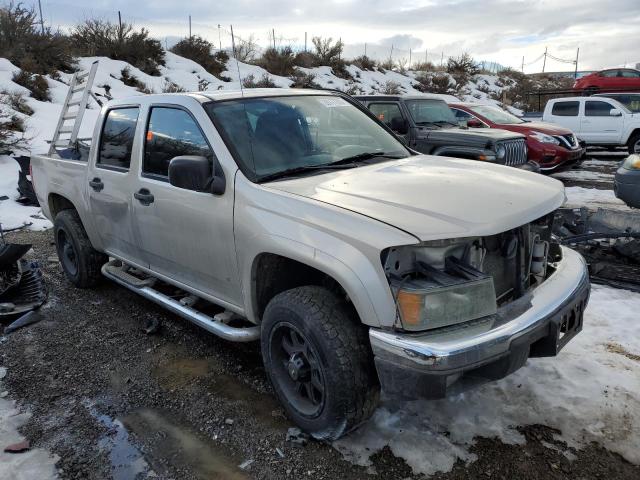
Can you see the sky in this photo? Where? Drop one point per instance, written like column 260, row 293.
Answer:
column 500, row 31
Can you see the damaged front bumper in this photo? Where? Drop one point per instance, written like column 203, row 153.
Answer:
column 538, row 324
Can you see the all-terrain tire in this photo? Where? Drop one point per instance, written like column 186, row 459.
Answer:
column 342, row 352
column 81, row 262
column 634, row 143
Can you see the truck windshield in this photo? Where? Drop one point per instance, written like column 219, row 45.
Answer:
column 271, row 137
column 431, row 112
column 496, row 115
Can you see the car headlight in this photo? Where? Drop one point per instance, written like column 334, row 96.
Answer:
column 544, row 138
column 501, row 152
column 632, row 162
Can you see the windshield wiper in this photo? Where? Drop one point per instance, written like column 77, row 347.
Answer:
column 363, row 156
column 447, row 122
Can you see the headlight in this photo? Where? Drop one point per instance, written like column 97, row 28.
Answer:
column 501, row 152
column 544, row 138
column 439, row 298
column 632, row 162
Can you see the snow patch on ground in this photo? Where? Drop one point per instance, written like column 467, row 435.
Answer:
column 584, row 176
column 589, row 392
column 13, row 214
column 34, row 464
column 593, row 198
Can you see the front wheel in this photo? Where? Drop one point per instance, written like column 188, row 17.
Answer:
column 319, row 361
column 634, row 144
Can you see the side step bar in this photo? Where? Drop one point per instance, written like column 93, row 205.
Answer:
column 217, row 327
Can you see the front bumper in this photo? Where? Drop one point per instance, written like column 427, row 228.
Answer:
column 538, row 324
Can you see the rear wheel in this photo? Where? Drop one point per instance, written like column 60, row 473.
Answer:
column 319, row 361
column 634, row 144
column 80, row 261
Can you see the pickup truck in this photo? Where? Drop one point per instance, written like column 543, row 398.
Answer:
column 597, row 121
column 296, row 218
column 427, row 124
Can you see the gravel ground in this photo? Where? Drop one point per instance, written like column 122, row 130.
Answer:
column 114, row 402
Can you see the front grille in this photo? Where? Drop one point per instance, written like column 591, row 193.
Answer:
column 516, row 152
column 569, row 141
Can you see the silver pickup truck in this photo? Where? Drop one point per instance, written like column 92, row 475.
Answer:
column 294, row 217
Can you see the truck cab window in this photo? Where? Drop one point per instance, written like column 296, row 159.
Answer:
column 597, row 109
column 386, row 112
column 116, row 141
column 171, row 132
column 566, row 109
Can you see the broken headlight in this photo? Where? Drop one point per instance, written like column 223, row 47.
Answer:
column 432, row 298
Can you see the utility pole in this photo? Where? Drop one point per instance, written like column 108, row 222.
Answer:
column 442, row 59
column 273, row 31
column 41, row 20
column 391, row 55
column 544, row 62
column 365, row 49
column 523, row 64
column 305, row 41
column 409, row 57
column 426, row 56
column 189, row 27
column 575, row 75
column 219, row 38
column 120, row 20
column 340, row 52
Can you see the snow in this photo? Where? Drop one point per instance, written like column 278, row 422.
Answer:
column 589, row 392
column 584, row 176
column 593, row 198
column 13, row 214
column 33, row 464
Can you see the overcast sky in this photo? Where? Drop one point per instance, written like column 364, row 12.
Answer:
column 606, row 31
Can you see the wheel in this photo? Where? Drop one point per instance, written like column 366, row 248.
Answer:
column 634, row 144
column 80, row 261
column 319, row 361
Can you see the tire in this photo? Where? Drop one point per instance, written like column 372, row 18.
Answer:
column 634, row 144
column 334, row 354
column 80, row 261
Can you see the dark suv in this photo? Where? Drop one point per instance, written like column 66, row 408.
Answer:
column 428, row 125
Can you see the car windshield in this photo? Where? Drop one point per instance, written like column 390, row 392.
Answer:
column 496, row 115
column 431, row 112
column 273, row 135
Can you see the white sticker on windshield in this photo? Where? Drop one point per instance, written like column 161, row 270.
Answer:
column 333, row 102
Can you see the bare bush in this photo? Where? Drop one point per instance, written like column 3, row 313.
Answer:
column 434, row 83
column 329, row 53
column 169, row 86
column 246, row 50
column 278, row 61
column 131, row 80
column 264, row 82
column 199, row 50
column 391, row 88
column 12, row 135
column 423, row 67
column 37, row 84
column 364, row 63
column 119, row 42
column 303, row 80
column 15, row 101
column 462, row 69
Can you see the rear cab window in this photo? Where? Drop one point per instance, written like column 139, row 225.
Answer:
column 386, row 112
column 565, row 109
column 171, row 132
column 116, row 139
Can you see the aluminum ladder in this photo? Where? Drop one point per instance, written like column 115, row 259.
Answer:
column 66, row 133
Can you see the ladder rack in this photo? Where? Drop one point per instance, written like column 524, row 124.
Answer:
column 66, row 133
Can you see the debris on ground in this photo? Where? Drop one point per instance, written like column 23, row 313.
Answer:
column 245, row 465
column 28, row 318
column 297, row 437
column 19, row 447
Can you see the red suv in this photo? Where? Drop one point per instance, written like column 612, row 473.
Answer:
column 614, row 79
column 550, row 146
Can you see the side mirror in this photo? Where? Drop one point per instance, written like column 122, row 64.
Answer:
column 193, row 172
column 399, row 125
column 614, row 112
column 474, row 123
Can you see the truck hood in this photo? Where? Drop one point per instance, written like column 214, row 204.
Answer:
column 435, row 197
column 464, row 136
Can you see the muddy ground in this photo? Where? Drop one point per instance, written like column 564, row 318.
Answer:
column 114, row 402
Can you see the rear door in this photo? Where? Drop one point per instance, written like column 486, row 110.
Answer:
column 598, row 126
column 565, row 113
column 112, row 180
column 186, row 236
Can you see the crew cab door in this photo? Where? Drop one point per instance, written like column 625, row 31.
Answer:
column 185, row 235
column 391, row 115
column 598, row 125
column 566, row 114
column 111, row 179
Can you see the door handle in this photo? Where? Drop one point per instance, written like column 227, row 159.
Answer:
column 96, row 184
column 144, row 196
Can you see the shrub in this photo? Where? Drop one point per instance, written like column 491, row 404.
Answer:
column 37, row 84
column 391, row 88
column 131, row 80
column 462, row 69
column 15, row 101
column 330, row 53
column 119, row 42
column 171, row 87
column 423, row 67
column 11, row 133
column 27, row 46
column 199, row 50
column 303, row 80
column 246, row 49
column 434, row 83
column 388, row 64
column 278, row 61
column 306, row 60
column 364, row 63
column 264, row 82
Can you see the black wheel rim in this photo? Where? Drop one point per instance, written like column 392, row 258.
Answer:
column 67, row 254
column 636, row 146
column 297, row 369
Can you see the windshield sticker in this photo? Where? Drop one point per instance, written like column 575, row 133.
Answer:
column 333, row 102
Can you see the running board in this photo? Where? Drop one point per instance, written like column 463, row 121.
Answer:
column 217, row 327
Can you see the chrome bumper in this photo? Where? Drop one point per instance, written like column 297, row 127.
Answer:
column 529, row 326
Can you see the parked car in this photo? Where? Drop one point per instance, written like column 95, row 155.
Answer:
column 613, row 79
column 627, row 181
column 598, row 121
column 427, row 124
column 630, row 100
column 550, row 146
column 294, row 217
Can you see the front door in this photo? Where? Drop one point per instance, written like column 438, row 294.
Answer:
column 391, row 115
column 111, row 181
column 185, row 235
column 598, row 125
